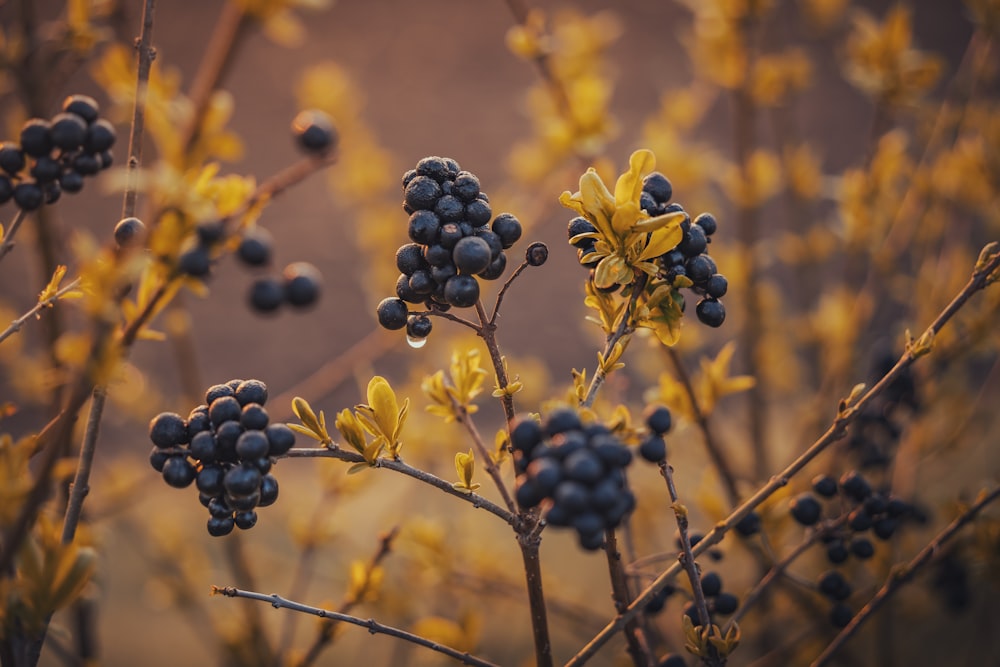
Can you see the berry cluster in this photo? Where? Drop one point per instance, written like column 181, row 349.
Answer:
column 298, row 286
column 688, row 259
column 718, row 601
column 452, row 243
column 576, row 470
column 53, row 156
column 226, row 448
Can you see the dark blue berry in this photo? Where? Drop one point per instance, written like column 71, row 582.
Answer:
column 526, row 434
column 71, row 181
column 833, row 585
column 726, row 603
column 251, row 391
column 711, row 584
column 68, row 131
column 392, row 313
column 529, row 493
column 658, row 419
column 224, row 409
column 6, row 189
column 28, row 196
column 246, row 520
column 659, row 188
column 508, row 228
column 472, row 255
column 178, row 472
column 711, row 312
column 495, row 269
column 36, row 137
column 302, row 284
column 836, row 552
column 461, row 291
column 449, row 209
column 217, row 391
column 424, row 226
column 717, row 286
column 422, row 194
column 280, row 439
column 242, row 480
column 434, row 167
column 254, row 417
column 694, row 242
column 653, row 449
column 583, row 466
column 129, row 232
column 478, row 212
column 855, row 486
column 314, row 131
column 536, row 254
column 672, row 660
column 168, row 429
column 220, row 526
column 86, row 164
column 410, row 258
column 83, row 106
column 11, row 158
column 840, row 615
column 418, row 326
column 466, row 186
column 266, row 294
column 45, row 169
column 885, row 527
column 580, row 226
column 195, row 261
column 209, row 480
column 157, row 458
column 862, row 547
column 562, row 420
column 806, row 509
column 748, row 525
column 204, row 447
column 268, row 490
column 255, row 247
column 252, row 445
column 100, row 137
column 825, row 486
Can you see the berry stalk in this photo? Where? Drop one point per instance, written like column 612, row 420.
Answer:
column 373, row 626
column 621, row 334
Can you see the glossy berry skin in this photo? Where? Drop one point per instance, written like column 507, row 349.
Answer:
column 658, row 419
column 508, row 228
column 495, row 269
column 717, row 286
column 86, row 164
column 653, row 449
column 658, row 186
column 255, row 247
column 471, row 255
column 204, row 447
column 806, row 509
column 392, row 313
column 242, row 480
column 167, row 429
column 209, row 480
column 422, row 193
column 825, row 486
column 526, row 435
column 266, row 295
column 694, row 242
column 314, row 131
column 478, row 212
column 302, row 284
column 461, row 291
column 220, row 526
column 36, row 137
column 711, row 312
column 449, row 208
column 100, row 137
column 11, row 158
column 178, row 472
column 418, row 326
column 707, row 222
column 68, row 131
column 280, row 439
column 536, row 254
column 129, row 232
column 252, row 445
column 579, row 226
column 157, row 459
column 268, row 491
column 83, row 106
column 28, row 196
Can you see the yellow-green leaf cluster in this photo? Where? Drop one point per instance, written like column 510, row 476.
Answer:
column 465, row 465
column 383, row 417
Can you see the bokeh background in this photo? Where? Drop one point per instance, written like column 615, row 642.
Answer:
column 437, row 78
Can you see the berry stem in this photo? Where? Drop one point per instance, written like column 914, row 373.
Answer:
column 638, row 647
column 835, row 432
column 373, row 626
column 487, row 331
column 16, row 325
column 239, row 566
column 686, row 557
column 326, row 632
column 622, row 331
column 145, row 55
column 336, row 452
column 7, row 242
column 711, row 445
column 465, row 419
column 904, row 574
column 503, row 290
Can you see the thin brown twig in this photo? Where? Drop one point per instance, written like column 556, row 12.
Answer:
column 397, row 465
column 638, row 648
column 16, row 325
column 503, row 290
column 465, row 419
column 326, row 632
column 622, row 331
column 488, row 332
column 370, row 624
column 900, row 576
column 711, row 445
column 7, row 242
column 835, row 432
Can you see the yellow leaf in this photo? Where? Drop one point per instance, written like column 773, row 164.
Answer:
column 629, row 185
column 382, row 401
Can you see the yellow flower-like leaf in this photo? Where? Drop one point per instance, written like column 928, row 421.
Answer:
column 351, row 430
column 312, row 426
column 629, row 185
column 50, row 290
column 715, row 381
column 382, row 416
column 465, row 465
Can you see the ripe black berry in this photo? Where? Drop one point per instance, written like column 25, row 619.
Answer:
column 672, row 660
column 86, row 164
column 242, row 480
column 726, row 603
column 806, row 509
column 825, row 486
column 157, row 458
column 178, row 472
column 209, row 479
column 536, row 254
column 280, row 439
column 204, row 447
column 418, row 326
column 711, row 584
column 28, row 196
column 862, row 547
column 11, row 158
column 314, row 131
column 711, row 312
column 495, row 269
column 6, row 189
column 433, row 167
column 195, row 261
column 246, row 520
column 220, row 526
column 410, row 258
column 129, row 232
column 167, row 429
column 694, row 242
column 224, row 409
column 424, row 225
column 266, row 294
column 422, row 193
column 658, row 419
column 836, row 552
column 508, row 228
column 252, row 445
column 700, row 268
column 657, row 185
column 68, row 131
column 855, row 486
column 268, row 491
column 255, row 247
column 36, row 137
column 254, row 417
column 302, row 284
column 833, row 585
column 466, row 186
column 653, row 449
column 840, row 615
column 717, row 286
column 461, row 291
column 392, row 313
column 526, row 434
column 478, row 212
column 748, row 525
column 100, row 136
column 449, row 208
column 471, row 255
column 579, row 226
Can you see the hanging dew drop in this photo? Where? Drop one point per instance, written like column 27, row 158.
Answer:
column 416, row 343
